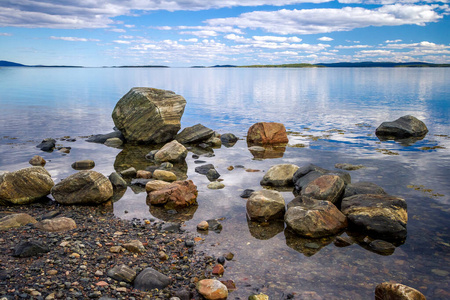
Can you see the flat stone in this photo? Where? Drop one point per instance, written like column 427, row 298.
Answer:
column 362, row 187
column 280, row 175
column 16, row 220
column 215, row 185
column 155, row 185
column 122, row 273
column 326, row 187
column 194, row 134
column 56, row 224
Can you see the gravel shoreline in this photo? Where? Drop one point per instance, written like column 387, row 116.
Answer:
column 78, row 261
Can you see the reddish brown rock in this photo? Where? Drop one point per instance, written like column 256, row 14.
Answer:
column 177, row 194
column 212, row 289
column 143, row 174
column 218, row 270
column 326, row 187
column 397, row 291
column 267, row 133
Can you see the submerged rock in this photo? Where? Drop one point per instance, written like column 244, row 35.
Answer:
column 84, row 187
column 267, row 133
column 83, row 164
column 379, row 215
column 24, row 186
column 403, row 127
column 102, row 138
column 148, row 115
column 228, row 139
column 397, row 291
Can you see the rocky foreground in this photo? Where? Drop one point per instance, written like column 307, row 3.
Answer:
column 77, row 263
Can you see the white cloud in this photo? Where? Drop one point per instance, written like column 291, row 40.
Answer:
column 126, row 37
column 352, row 47
column 121, row 42
column 293, row 39
column 5, row 34
column 201, row 33
column 193, row 40
column 76, row 14
column 325, row 39
column 120, row 30
column 73, row 39
column 374, row 52
column 313, row 21
column 129, row 26
column 392, row 41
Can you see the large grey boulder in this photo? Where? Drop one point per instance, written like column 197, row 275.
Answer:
column 148, row 115
column 315, row 218
column 84, row 187
column 378, row 215
column 265, row 205
column 194, row 134
column 280, row 175
column 24, row 186
column 404, row 127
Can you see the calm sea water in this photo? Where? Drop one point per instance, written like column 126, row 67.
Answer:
column 331, row 115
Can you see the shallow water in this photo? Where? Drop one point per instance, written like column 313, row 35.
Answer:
column 331, row 115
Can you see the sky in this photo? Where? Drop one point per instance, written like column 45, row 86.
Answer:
column 184, row 33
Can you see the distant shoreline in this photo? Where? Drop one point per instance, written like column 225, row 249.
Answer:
column 367, row 64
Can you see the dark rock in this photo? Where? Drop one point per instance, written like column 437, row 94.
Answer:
column 170, row 227
column 102, row 138
column 379, row 215
column 151, row 155
column 150, row 279
column 139, row 181
column 47, row 145
column 343, row 241
column 148, row 115
column 382, row 247
column 362, row 188
column 228, row 139
column 348, row 167
column 246, row 193
column 403, row 127
column 204, row 169
column 30, row 248
column 212, row 174
column 130, row 172
column 194, row 134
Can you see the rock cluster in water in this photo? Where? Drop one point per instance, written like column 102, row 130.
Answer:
column 326, row 202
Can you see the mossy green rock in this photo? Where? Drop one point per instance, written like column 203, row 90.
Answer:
column 148, row 115
column 24, row 186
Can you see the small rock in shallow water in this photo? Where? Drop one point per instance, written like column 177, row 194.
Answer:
column 83, row 164
column 342, row 241
column 348, row 167
column 246, row 193
column 216, row 185
column 382, row 247
column 203, row 225
column 218, row 270
column 37, row 161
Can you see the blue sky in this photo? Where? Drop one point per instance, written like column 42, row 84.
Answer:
column 183, row 33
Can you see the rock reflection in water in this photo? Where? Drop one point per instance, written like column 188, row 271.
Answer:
column 177, row 215
column 118, row 194
column 267, row 151
column 307, row 247
column 265, row 230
